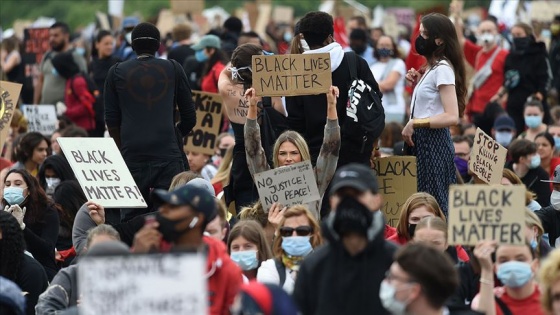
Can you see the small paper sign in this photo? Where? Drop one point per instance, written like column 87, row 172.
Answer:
column 487, row 158
column 481, row 212
column 41, row 118
column 102, row 172
column 287, row 185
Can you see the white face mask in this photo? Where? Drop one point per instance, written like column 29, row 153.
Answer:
column 555, row 199
column 387, row 296
column 304, row 45
column 128, row 37
column 487, row 39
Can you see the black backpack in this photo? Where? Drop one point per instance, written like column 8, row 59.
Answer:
column 365, row 116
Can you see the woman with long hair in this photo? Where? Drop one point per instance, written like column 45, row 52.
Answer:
column 30, row 151
column 248, row 248
column 10, row 60
column 437, row 103
column 37, row 216
column 298, row 234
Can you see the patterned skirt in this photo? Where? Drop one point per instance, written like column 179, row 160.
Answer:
column 434, row 153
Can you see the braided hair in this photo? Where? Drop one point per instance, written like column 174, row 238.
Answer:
column 11, row 246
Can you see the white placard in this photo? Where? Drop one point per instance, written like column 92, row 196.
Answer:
column 161, row 284
column 40, row 118
column 102, row 172
column 287, row 185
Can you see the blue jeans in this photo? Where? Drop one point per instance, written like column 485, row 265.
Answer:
column 149, row 176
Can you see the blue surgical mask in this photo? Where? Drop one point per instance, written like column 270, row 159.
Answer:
column 297, row 245
column 14, row 195
column 200, row 56
column 385, row 52
column 246, row 259
column 534, row 244
column 504, row 137
column 535, row 161
column 514, row 274
column 54, row 72
column 533, row 121
column 81, row 51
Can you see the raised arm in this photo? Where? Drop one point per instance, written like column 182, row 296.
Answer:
column 256, row 157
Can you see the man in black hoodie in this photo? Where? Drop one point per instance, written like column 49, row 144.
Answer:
column 307, row 113
column 344, row 276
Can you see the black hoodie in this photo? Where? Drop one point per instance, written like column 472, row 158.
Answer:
column 330, row 281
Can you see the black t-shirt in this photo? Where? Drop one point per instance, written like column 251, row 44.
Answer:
column 32, row 279
column 180, row 53
column 99, row 69
column 140, row 99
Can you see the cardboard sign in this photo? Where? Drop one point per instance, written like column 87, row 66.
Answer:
column 288, row 185
column 187, row 6
column 41, row 118
column 544, row 11
column 488, row 158
column 202, row 138
column 162, row 284
column 481, row 212
column 288, row 75
column 283, row 14
column 9, row 96
column 397, row 180
column 102, row 173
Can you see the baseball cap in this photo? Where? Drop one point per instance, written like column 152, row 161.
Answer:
column 504, row 122
column 355, row 176
column 198, row 198
column 207, row 41
column 130, row 22
column 555, row 177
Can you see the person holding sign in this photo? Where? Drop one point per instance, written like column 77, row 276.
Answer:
column 291, row 148
column 437, row 103
column 515, row 267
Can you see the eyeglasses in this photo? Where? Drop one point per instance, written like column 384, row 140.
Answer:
column 304, row 230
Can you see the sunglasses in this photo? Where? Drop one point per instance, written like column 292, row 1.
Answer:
column 304, row 230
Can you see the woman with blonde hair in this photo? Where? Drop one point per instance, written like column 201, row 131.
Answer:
column 291, row 148
column 297, row 236
column 534, row 233
column 510, row 178
column 549, row 280
column 248, row 247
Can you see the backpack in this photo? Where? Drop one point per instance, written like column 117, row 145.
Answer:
column 281, row 271
column 365, row 116
column 96, row 110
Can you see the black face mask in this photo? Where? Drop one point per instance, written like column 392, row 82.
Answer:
column 520, row 44
column 425, row 47
column 223, row 152
column 352, row 217
column 168, row 229
column 359, row 49
column 411, row 230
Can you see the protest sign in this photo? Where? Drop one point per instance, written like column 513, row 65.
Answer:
column 9, row 96
column 41, row 118
column 202, row 138
column 397, row 180
column 160, row 284
column 283, row 14
column 487, row 158
column 102, row 173
column 191, row 6
column 287, row 185
column 481, row 212
column 288, row 75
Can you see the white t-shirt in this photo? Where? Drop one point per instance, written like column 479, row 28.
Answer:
column 426, row 101
column 393, row 101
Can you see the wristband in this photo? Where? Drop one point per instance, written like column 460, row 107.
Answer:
column 486, row 281
column 421, row 123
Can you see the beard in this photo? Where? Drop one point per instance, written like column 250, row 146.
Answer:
column 57, row 46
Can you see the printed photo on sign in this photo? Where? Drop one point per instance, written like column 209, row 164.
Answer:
column 397, row 180
column 481, row 212
column 40, row 118
column 102, row 172
column 288, row 75
column 487, row 158
column 287, row 185
column 202, row 138
column 143, row 284
column 9, row 96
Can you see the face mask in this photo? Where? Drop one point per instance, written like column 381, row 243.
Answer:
column 358, row 49
column 297, row 245
column 425, row 47
column 534, row 243
column 81, row 51
column 514, row 274
column 535, row 161
column 411, row 230
column 520, row 44
column 168, row 230
column 557, row 143
column 14, row 195
column 352, row 217
column 462, row 165
column 128, row 37
column 388, row 300
column 223, row 152
column 246, row 259
column 533, row 121
column 384, row 52
column 555, row 199
column 288, row 36
column 200, row 56
column 486, row 39
column 555, row 29
column 54, row 72
column 304, row 45
column 52, row 182
column 504, row 138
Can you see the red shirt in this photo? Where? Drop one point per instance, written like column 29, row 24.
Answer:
column 530, row 305
column 555, row 161
column 389, row 231
column 79, row 103
column 209, row 82
column 477, row 58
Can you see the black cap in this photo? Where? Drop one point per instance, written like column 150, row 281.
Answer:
column 355, row 176
column 198, row 198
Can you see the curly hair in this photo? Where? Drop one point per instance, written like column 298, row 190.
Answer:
column 316, row 27
column 254, row 212
column 11, row 246
column 37, row 202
